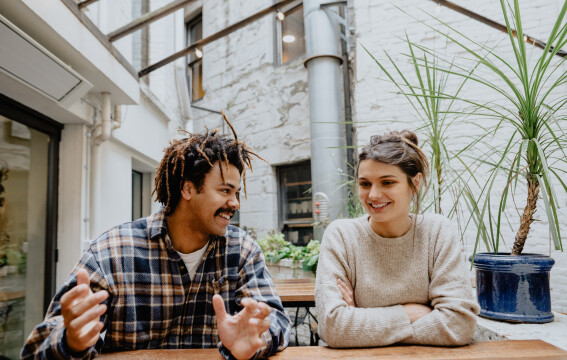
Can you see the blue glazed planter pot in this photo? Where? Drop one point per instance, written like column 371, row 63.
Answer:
column 514, row 288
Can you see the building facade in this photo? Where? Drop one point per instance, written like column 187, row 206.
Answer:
column 82, row 131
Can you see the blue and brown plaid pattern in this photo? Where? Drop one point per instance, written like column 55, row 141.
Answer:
column 153, row 303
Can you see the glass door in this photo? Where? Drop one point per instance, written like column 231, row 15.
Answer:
column 26, row 245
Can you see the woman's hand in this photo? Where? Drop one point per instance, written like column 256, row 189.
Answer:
column 416, row 311
column 346, row 292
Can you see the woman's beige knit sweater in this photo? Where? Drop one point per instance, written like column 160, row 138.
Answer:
column 425, row 268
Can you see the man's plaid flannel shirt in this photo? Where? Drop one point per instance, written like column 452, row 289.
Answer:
column 153, row 303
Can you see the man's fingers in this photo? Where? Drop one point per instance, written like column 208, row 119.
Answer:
column 70, row 296
column 251, row 306
column 90, row 336
column 264, row 310
column 84, row 331
column 95, row 332
column 260, row 342
column 261, row 324
column 82, row 277
column 88, row 303
column 89, row 316
column 218, row 306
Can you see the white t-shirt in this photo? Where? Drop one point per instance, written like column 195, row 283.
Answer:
column 193, row 259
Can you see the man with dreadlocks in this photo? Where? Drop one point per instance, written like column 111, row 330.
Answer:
column 180, row 278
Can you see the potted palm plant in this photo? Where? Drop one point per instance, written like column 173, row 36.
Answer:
column 528, row 94
column 424, row 88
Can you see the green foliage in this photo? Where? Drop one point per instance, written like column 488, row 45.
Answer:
column 424, row 89
column 354, row 207
column 525, row 110
column 275, row 248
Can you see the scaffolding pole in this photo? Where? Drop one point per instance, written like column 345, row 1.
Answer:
column 213, row 37
column 146, row 19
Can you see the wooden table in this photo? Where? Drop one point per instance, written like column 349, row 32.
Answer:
column 296, row 292
column 509, row 349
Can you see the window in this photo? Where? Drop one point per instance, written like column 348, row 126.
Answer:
column 291, row 34
column 137, row 194
column 195, row 59
column 141, row 189
column 296, row 211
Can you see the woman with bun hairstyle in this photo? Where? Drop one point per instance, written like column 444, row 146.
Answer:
column 391, row 276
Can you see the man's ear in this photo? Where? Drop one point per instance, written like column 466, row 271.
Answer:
column 187, row 190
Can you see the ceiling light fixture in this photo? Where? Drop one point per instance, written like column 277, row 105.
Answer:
column 288, row 38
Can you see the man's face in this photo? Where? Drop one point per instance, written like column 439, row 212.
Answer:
column 218, row 199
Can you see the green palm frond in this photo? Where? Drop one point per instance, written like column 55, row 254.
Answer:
column 529, row 98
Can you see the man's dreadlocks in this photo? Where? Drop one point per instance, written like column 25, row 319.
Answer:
column 191, row 158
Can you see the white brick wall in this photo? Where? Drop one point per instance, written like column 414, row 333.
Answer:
column 378, row 25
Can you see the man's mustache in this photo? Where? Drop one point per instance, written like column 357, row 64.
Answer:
column 225, row 210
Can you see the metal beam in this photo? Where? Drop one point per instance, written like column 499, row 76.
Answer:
column 213, row 37
column 146, row 19
column 528, row 39
column 82, row 4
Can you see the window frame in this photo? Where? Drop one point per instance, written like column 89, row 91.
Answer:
column 278, row 48
column 286, row 224
column 147, row 174
column 37, row 121
column 190, row 63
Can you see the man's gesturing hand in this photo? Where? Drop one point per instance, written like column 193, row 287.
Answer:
column 242, row 333
column 81, row 310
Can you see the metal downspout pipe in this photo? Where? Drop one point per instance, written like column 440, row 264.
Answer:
column 103, row 131
column 326, row 113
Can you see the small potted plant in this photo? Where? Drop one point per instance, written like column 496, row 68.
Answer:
column 287, row 260
column 527, row 93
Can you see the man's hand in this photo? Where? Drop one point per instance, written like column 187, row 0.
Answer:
column 81, row 310
column 242, row 333
column 346, row 292
column 416, row 311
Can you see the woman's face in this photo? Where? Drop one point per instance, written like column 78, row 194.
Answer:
column 386, row 194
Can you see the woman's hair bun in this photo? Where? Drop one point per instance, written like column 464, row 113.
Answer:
column 409, row 135
column 394, row 137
